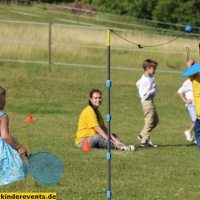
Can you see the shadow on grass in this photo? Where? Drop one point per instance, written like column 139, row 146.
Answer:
column 176, row 145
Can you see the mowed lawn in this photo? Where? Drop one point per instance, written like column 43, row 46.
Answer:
column 56, row 99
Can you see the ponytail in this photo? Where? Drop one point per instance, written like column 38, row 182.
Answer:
column 90, row 104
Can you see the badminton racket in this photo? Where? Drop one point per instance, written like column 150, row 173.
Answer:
column 45, row 167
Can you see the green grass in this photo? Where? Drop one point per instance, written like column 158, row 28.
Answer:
column 56, row 99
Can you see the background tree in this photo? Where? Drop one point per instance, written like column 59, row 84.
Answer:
column 135, row 8
column 178, row 12
column 141, row 8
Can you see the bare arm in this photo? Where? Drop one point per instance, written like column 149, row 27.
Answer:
column 101, row 132
column 113, row 139
column 153, row 85
column 184, row 99
column 9, row 139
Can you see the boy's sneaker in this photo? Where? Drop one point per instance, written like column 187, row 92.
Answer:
column 189, row 136
column 129, row 148
column 148, row 144
column 139, row 137
column 151, row 143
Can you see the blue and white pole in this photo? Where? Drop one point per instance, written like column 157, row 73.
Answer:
column 108, row 116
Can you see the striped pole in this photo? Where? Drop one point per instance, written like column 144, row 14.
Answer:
column 108, row 116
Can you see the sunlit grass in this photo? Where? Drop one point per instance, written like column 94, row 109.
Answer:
column 56, row 99
column 79, row 46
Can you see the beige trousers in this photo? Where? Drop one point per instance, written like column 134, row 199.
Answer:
column 150, row 118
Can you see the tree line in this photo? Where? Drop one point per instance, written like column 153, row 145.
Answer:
column 184, row 12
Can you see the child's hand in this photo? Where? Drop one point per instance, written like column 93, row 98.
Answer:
column 23, row 152
column 118, row 144
column 153, row 85
column 188, row 101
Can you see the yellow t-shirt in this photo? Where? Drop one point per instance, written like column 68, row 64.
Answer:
column 87, row 122
column 196, row 92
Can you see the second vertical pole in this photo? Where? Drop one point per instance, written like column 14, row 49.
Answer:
column 49, row 48
column 108, row 117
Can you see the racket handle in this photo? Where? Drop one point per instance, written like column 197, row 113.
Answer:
column 28, row 156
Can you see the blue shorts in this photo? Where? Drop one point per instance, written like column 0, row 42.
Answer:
column 191, row 111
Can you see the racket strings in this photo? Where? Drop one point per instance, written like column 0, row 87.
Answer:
column 45, row 167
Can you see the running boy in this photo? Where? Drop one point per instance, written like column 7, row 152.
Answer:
column 147, row 91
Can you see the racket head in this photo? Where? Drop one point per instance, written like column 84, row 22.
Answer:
column 45, row 167
column 192, row 70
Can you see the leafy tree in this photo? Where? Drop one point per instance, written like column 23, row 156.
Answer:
column 56, row 1
column 141, row 8
column 185, row 12
column 135, row 8
column 114, row 6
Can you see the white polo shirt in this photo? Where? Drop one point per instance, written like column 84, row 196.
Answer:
column 145, row 87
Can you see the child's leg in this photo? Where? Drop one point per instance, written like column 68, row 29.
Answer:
column 197, row 132
column 149, row 115
column 188, row 132
column 156, row 119
column 193, row 117
column 191, row 128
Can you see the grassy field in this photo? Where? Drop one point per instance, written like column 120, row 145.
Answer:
column 76, row 45
column 56, row 99
column 73, row 43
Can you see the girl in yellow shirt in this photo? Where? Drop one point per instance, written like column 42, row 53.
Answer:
column 91, row 126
